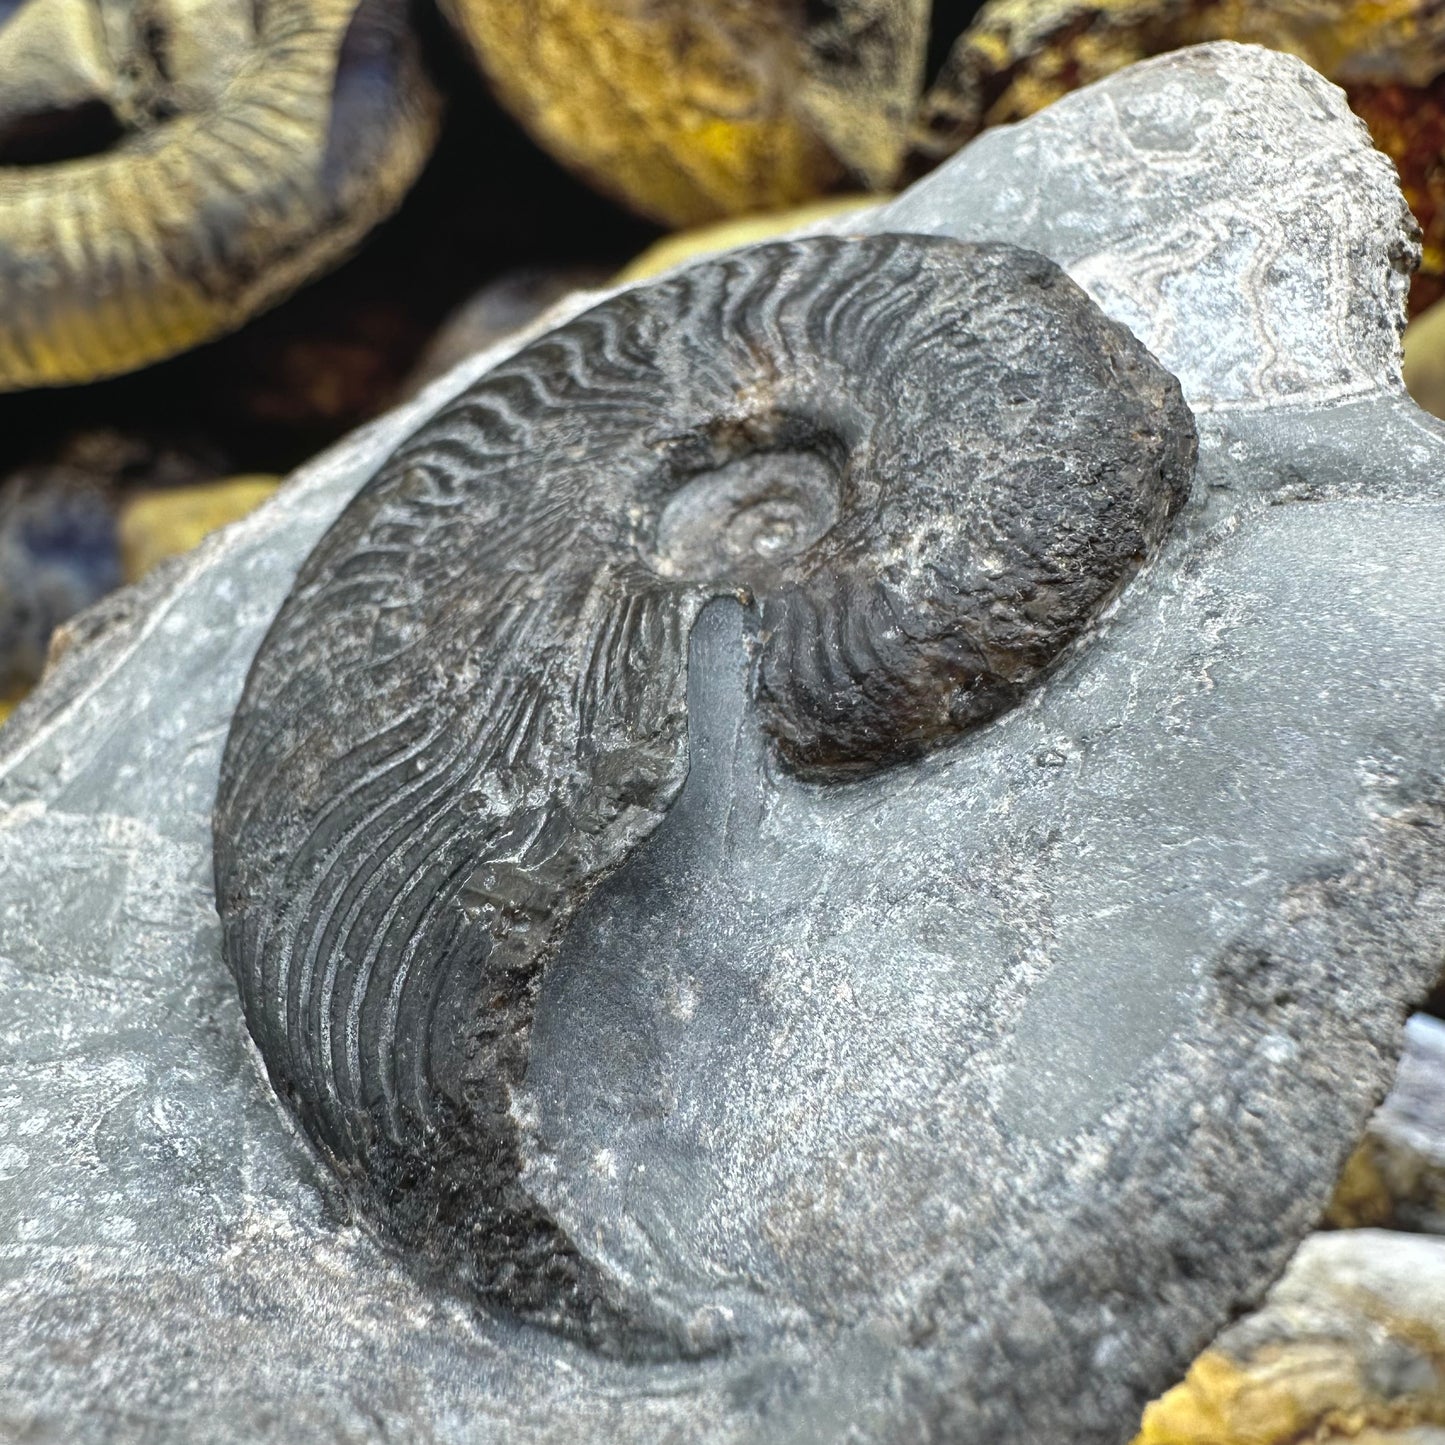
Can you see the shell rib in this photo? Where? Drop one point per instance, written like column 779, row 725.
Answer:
column 924, row 466
column 185, row 229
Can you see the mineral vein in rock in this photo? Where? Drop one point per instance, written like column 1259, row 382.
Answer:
column 924, row 467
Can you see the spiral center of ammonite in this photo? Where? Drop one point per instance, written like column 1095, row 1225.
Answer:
column 81, row 75
column 751, row 510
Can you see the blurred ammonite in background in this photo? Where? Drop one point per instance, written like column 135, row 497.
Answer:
column 170, row 167
column 692, row 111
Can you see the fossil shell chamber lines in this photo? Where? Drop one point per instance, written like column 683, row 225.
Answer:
column 472, row 708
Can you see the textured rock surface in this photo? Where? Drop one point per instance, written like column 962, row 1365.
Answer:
column 1018, row 56
column 1185, row 895
column 1396, row 1177
column 1349, row 1346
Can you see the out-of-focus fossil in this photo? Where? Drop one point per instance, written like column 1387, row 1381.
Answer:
column 693, row 112
column 170, row 167
column 1020, row 55
column 690, row 112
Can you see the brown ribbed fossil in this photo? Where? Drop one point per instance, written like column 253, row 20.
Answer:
column 230, row 153
column 924, row 467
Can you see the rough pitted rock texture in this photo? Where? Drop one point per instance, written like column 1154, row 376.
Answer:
column 1348, row 1347
column 1022, row 1067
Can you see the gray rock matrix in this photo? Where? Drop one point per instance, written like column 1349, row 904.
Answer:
column 1013, row 1073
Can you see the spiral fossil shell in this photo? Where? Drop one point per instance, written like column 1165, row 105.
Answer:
column 253, row 147
column 924, row 467
column 690, row 112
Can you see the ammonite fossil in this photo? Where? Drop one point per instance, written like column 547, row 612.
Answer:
column 691, row 112
column 168, row 169
column 924, row 468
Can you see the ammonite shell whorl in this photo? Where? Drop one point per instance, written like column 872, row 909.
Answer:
column 690, row 112
column 923, row 466
column 167, row 170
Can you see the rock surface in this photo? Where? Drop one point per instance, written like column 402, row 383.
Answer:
column 431, row 771
column 1193, row 887
column 1349, row 1346
column 1396, row 1178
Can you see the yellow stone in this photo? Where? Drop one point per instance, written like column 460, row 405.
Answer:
column 1425, row 359
column 1363, row 1198
column 7, row 706
column 685, row 111
column 1347, row 1348
column 700, row 241
column 159, row 524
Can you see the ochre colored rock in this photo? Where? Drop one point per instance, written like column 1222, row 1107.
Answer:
column 689, row 112
column 156, row 525
column 685, row 112
column 702, row 241
column 1349, row 1346
column 1425, row 359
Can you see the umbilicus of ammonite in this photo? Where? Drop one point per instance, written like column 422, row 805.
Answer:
column 169, row 168
column 923, row 467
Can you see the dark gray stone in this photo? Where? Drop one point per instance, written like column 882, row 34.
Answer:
column 1042, row 1053
column 503, row 306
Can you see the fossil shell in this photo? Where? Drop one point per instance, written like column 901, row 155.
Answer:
column 692, row 112
column 251, row 150
column 925, row 466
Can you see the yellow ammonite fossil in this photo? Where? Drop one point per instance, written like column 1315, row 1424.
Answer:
column 692, row 110
column 170, row 167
